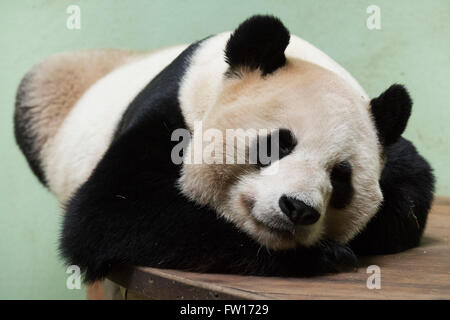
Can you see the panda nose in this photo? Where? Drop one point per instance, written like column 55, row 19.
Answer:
column 297, row 211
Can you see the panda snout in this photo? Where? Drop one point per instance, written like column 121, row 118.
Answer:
column 298, row 212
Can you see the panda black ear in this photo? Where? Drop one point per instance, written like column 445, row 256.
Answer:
column 391, row 111
column 258, row 42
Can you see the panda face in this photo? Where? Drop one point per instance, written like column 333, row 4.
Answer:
column 326, row 182
column 332, row 138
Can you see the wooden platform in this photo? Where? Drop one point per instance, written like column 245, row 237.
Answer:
column 420, row 273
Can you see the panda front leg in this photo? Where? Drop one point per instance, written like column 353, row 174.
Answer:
column 407, row 183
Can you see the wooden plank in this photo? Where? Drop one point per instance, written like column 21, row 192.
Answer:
column 419, row 273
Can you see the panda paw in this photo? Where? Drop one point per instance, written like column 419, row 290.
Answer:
column 335, row 257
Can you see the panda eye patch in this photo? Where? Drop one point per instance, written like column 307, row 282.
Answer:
column 285, row 143
column 341, row 180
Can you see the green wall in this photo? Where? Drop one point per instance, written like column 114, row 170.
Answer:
column 412, row 47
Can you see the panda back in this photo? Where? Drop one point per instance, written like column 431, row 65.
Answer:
column 68, row 156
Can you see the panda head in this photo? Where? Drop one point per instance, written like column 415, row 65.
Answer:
column 330, row 144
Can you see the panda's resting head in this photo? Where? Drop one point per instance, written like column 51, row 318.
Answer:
column 331, row 139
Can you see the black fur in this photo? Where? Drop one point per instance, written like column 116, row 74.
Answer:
column 285, row 143
column 130, row 211
column 259, row 42
column 159, row 99
column 391, row 111
column 341, row 180
column 407, row 183
column 25, row 137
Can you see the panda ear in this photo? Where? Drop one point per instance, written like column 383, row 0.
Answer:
column 258, row 43
column 391, row 111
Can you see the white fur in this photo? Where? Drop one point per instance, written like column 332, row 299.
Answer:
column 71, row 155
column 204, row 80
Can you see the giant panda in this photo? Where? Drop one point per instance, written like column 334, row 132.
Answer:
column 97, row 129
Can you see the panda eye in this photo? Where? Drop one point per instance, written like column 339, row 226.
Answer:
column 285, row 143
column 341, row 180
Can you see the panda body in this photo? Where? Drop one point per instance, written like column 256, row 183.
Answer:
column 80, row 142
column 107, row 159
column 78, row 145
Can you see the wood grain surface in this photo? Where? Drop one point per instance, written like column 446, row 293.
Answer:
column 419, row 273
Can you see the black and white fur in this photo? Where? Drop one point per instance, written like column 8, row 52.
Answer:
column 126, row 202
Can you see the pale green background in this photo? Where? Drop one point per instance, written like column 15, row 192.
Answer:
column 413, row 47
